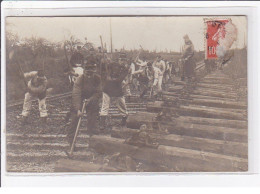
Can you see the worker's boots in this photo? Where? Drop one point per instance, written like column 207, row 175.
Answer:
column 123, row 121
column 44, row 120
column 44, row 129
column 25, row 120
column 103, row 123
column 158, row 96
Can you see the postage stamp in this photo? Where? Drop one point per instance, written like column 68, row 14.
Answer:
column 219, row 37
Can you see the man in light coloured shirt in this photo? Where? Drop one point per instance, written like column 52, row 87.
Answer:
column 36, row 89
column 159, row 63
column 142, row 63
column 134, row 74
column 159, row 69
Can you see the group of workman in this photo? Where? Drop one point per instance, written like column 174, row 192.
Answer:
column 96, row 81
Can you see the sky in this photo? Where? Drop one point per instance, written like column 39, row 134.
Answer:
column 151, row 33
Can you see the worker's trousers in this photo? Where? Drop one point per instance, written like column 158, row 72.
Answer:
column 27, row 105
column 120, row 103
column 91, row 110
column 158, row 83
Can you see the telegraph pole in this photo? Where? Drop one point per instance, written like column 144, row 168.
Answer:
column 111, row 43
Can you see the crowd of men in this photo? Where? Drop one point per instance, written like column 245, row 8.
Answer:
column 98, row 80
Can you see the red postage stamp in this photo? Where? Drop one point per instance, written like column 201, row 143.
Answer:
column 219, row 37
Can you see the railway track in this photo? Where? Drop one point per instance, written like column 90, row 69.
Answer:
column 202, row 127
column 19, row 103
column 50, row 98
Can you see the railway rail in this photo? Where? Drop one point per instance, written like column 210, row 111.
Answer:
column 48, row 98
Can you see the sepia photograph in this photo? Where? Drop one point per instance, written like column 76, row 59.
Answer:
column 126, row 94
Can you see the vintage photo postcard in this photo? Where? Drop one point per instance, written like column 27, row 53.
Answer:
column 126, row 94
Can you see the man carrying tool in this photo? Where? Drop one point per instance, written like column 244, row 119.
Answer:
column 136, row 68
column 36, row 88
column 141, row 76
column 157, row 81
column 145, row 78
column 187, row 59
column 87, row 86
column 113, row 88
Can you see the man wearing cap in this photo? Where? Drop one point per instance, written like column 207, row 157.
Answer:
column 113, row 89
column 87, row 86
column 187, row 57
column 139, row 74
column 37, row 87
column 145, row 78
column 136, row 68
column 76, row 61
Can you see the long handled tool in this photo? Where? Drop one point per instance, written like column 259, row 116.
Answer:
column 111, row 42
column 77, row 129
column 106, row 68
column 66, row 56
column 151, row 92
column 22, row 72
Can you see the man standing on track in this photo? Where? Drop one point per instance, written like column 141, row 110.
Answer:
column 136, row 68
column 187, row 58
column 36, row 88
column 159, row 69
column 113, row 88
column 87, row 86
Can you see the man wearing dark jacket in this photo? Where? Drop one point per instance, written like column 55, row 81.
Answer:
column 113, row 89
column 187, row 57
column 87, row 86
